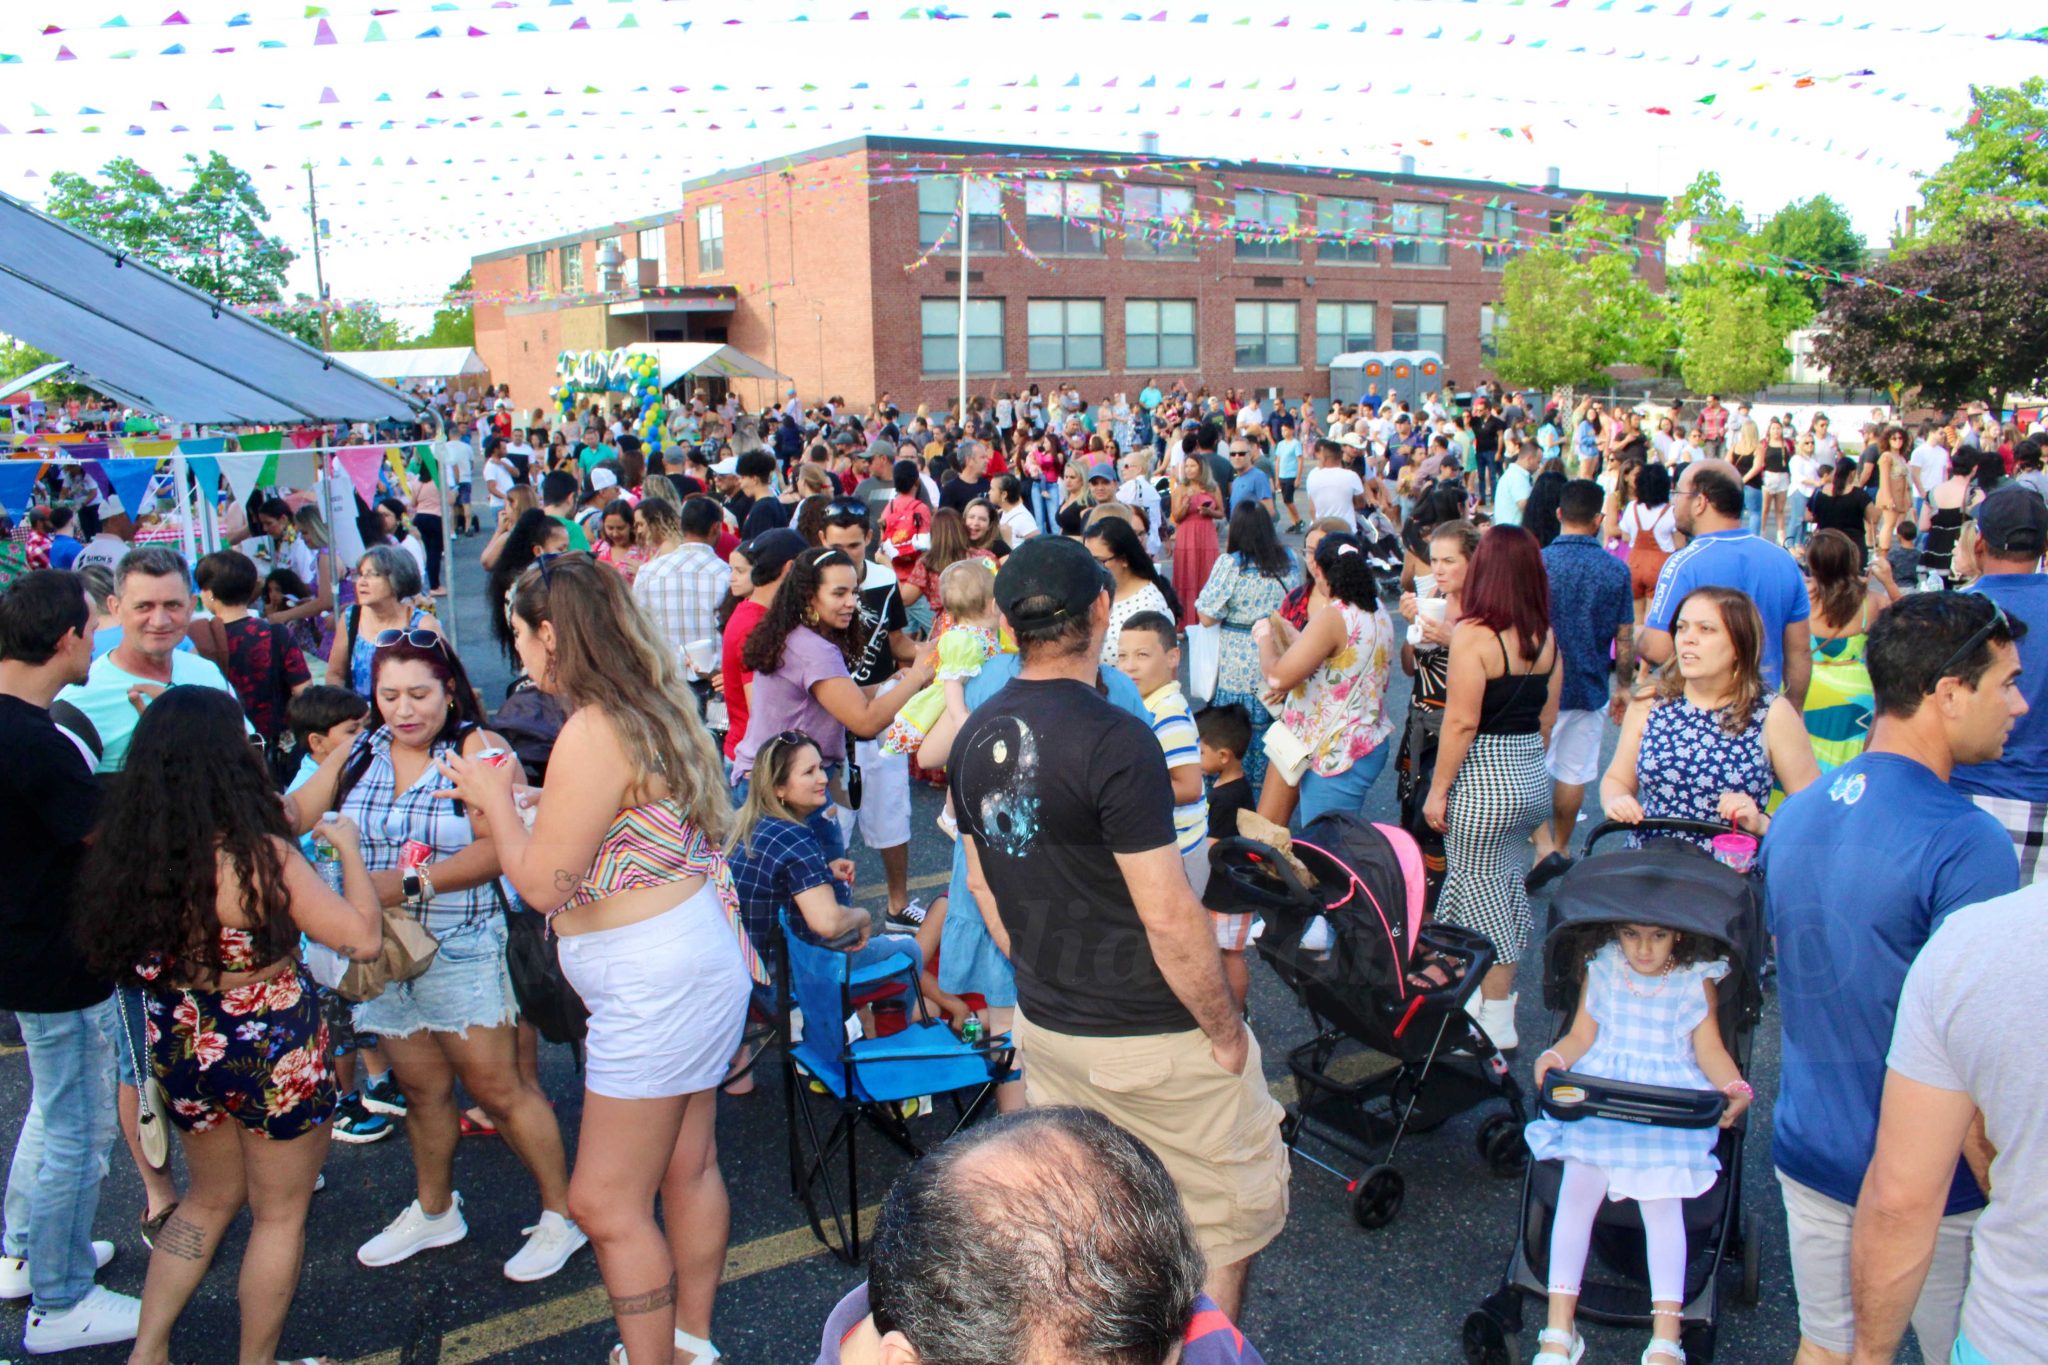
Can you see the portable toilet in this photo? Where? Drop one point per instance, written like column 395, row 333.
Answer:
column 1406, row 375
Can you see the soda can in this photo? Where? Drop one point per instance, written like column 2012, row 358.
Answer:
column 497, row 758
column 413, row 855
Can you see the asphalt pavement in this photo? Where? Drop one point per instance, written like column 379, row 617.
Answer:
column 1326, row 1293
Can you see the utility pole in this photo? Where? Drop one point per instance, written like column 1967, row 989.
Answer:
column 960, row 413
column 319, row 280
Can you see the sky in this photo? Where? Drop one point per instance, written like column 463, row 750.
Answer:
column 434, row 135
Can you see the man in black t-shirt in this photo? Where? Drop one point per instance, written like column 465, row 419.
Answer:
column 1066, row 811
column 884, row 815
column 765, row 511
column 973, row 481
column 49, row 802
column 1486, row 429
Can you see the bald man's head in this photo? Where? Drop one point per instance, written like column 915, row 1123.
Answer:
column 1708, row 497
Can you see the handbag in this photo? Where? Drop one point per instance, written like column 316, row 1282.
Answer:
column 533, row 959
column 152, row 1115
column 407, row 951
column 1205, row 660
column 1287, row 754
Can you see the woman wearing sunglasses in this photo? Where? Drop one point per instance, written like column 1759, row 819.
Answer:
column 387, row 582
column 624, row 857
column 456, row 1019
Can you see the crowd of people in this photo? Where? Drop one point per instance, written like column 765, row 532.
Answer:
column 271, row 846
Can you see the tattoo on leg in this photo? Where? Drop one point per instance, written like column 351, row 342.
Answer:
column 653, row 1301
column 186, row 1241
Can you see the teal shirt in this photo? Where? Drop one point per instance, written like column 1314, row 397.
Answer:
column 103, row 697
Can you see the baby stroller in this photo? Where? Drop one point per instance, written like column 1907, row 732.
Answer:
column 1673, row 884
column 1386, row 993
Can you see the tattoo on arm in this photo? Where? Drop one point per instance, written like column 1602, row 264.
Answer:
column 653, row 1301
column 182, row 1239
column 565, row 880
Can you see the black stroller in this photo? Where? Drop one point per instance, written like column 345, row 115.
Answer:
column 1387, row 995
column 1670, row 883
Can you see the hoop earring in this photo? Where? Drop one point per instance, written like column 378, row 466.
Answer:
column 811, row 617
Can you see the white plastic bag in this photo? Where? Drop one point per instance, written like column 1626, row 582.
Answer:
column 1205, row 656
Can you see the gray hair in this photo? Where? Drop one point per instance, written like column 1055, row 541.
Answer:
column 1047, row 1234
column 397, row 567
column 151, row 561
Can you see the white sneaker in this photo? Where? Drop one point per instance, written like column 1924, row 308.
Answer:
column 101, row 1318
column 1497, row 1017
column 549, row 1245
column 14, row 1282
column 413, row 1232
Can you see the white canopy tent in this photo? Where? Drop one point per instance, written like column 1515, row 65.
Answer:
column 434, row 362
column 158, row 344
column 681, row 359
column 32, row 378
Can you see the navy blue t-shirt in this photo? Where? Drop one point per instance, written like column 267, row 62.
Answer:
column 2022, row 773
column 1859, row 870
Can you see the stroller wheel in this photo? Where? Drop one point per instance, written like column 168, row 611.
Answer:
column 1501, row 1146
column 1751, row 1288
column 1485, row 1340
column 1376, row 1196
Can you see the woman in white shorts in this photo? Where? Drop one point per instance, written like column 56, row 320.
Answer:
column 624, row 859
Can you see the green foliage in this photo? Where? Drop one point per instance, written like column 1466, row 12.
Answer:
column 1577, row 304
column 1815, row 232
column 18, row 358
column 1729, row 338
column 1994, row 162
column 454, row 322
column 362, row 327
column 208, row 233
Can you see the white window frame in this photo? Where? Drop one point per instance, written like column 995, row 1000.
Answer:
column 1263, row 207
column 1424, row 226
column 1496, row 235
column 1333, row 342
column 569, row 262
column 1331, row 218
column 1078, row 349
column 1145, row 232
column 1493, row 320
column 984, row 212
column 938, row 326
column 711, row 239
column 1419, row 340
column 536, row 272
column 1075, row 202
column 1262, row 354
column 1147, row 319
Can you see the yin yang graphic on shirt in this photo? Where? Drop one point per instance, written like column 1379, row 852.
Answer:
column 1001, row 764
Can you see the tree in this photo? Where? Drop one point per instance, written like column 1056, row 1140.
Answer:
column 1729, row 338
column 1577, row 303
column 1813, row 233
column 1972, row 324
column 1996, row 161
column 361, row 327
column 208, row 234
column 455, row 321
column 17, row 358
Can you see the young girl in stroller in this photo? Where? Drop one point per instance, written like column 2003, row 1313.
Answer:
column 1646, row 1015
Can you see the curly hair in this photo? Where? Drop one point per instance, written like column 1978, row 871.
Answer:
column 1582, row 943
column 792, row 604
column 194, row 789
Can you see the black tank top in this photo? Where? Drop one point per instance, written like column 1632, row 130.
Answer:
column 1513, row 704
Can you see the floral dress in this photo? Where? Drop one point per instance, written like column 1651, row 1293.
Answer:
column 1239, row 598
column 1688, row 759
column 1646, row 1026
column 1339, row 711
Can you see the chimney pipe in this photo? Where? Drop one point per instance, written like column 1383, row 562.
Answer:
column 1551, row 177
column 1148, row 144
column 1407, row 165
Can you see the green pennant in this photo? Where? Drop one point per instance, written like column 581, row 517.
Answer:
column 376, row 33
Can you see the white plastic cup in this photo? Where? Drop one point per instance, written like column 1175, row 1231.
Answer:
column 1435, row 609
column 702, row 654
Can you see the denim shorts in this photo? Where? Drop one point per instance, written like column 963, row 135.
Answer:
column 466, row 987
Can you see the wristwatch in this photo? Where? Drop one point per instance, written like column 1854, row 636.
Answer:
column 418, row 887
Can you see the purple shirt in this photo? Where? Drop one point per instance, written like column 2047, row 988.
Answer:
column 1212, row 1338
column 783, row 700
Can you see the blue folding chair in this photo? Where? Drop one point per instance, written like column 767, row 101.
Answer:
column 864, row 1079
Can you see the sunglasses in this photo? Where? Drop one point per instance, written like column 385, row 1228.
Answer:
column 1957, row 660
column 418, row 639
column 846, row 507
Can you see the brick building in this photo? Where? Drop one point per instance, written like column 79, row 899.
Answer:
column 1111, row 270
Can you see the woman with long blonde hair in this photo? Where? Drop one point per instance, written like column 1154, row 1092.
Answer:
column 625, row 859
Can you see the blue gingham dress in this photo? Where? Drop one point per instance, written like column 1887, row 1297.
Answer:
column 1646, row 1039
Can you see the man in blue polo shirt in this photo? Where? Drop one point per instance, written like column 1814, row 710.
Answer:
column 1859, row 870
column 1707, row 505
column 2011, row 534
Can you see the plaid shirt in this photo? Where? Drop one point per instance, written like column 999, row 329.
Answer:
column 680, row 592
column 388, row 818
column 776, row 863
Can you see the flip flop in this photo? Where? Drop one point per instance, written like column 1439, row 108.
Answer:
column 471, row 1128
column 152, row 1226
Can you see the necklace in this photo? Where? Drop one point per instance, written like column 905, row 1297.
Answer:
column 1663, row 981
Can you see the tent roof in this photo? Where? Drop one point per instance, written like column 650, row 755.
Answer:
column 433, row 362
column 32, row 378
column 680, row 359
column 161, row 344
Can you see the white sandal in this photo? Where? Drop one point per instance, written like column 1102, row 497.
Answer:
column 1550, row 1338
column 702, row 1350
column 1670, row 1351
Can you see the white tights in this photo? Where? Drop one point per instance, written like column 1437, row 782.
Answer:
column 1571, row 1233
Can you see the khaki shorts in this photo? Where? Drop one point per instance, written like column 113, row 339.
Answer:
column 1218, row 1134
column 1819, row 1229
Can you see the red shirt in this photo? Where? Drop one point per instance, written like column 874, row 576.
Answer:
column 744, row 618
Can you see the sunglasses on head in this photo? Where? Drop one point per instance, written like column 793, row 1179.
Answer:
column 1956, row 661
column 418, row 639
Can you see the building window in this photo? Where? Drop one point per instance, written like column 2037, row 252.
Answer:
column 649, row 247
column 1265, row 226
column 569, row 263
column 1268, row 334
column 1492, row 322
column 1418, row 231
column 1344, row 327
column 1497, row 236
column 711, row 239
column 1419, row 327
column 1063, row 217
column 1344, row 231
column 1064, row 334
column 1159, row 334
column 938, row 201
column 536, row 272
column 1158, row 222
column 984, row 336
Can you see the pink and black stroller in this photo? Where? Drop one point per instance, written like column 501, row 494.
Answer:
column 1394, row 1050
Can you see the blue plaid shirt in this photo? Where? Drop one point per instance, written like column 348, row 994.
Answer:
column 1590, row 599
column 777, row 863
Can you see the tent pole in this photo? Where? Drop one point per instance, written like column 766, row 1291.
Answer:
column 440, row 452
column 187, row 507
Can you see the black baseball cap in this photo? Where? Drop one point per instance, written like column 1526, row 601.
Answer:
column 2014, row 521
column 1058, row 572
column 772, row 551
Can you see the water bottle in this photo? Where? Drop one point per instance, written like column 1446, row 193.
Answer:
column 327, row 861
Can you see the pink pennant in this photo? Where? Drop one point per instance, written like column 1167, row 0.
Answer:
column 323, row 36
column 361, row 464
column 177, row 17
column 327, row 95
column 65, row 54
